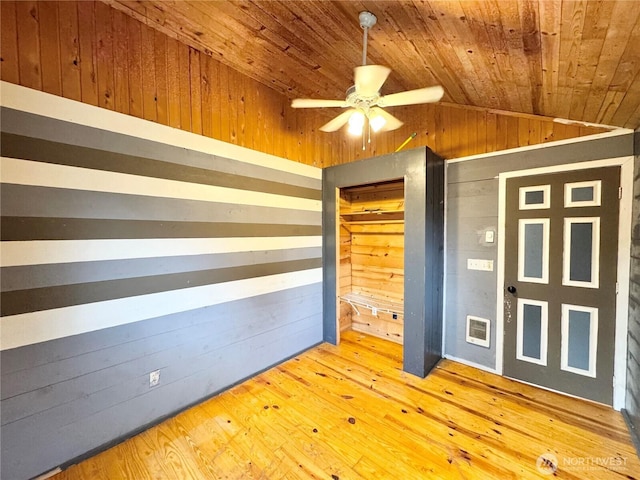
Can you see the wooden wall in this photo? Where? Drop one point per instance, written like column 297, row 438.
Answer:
column 344, row 271
column 633, row 360
column 90, row 52
column 376, row 256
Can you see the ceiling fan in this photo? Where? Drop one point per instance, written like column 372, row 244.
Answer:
column 363, row 100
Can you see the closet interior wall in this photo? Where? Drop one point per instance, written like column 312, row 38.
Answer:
column 371, row 278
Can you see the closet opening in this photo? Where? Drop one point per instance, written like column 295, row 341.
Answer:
column 370, row 221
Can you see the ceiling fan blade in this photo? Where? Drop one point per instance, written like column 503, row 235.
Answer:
column 316, row 103
column 391, row 122
column 337, row 122
column 369, row 79
column 411, row 97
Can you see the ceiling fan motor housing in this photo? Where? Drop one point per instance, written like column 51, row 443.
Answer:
column 359, row 101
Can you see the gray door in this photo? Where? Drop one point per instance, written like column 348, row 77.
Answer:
column 561, row 245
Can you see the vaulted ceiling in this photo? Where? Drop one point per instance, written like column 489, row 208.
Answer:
column 577, row 60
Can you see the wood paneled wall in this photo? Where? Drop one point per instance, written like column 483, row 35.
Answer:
column 376, row 253
column 633, row 363
column 90, row 52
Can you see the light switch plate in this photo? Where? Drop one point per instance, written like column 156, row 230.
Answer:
column 489, row 236
column 479, row 264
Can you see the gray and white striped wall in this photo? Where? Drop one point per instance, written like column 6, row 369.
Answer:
column 129, row 247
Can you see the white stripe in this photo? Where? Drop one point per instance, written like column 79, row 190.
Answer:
column 27, row 172
column 52, row 106
column 35, row 327
column 36, row 252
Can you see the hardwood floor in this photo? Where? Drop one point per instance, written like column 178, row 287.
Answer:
column 349, row 412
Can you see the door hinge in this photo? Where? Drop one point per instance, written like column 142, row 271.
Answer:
column 619, row 193
column 617, row 288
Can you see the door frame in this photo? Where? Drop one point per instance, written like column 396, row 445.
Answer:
column 626, row 165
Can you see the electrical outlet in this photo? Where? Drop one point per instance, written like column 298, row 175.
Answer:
column 478, row 264
column 154, row 378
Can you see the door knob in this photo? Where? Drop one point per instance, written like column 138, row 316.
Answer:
column 511, row 289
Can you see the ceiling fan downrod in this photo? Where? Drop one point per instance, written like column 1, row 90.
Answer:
column 367, row 20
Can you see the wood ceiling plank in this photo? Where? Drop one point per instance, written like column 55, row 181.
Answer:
column 500, row 58
column 421, row 62
column 439, row 58
column 337, row 42
column 594, row 33
column 297, row 45
column 255, row 53
column 329, row 31
column 550, row 28
column 531, row 44
column 558, row 58
column 627, row 76
column 452, row 19
column 153, row 14
column 634, row 119
column 512, row 27
column 573, row 17
column 622, row 21
column 490, row 49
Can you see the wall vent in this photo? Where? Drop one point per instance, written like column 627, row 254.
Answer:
column 478, row 331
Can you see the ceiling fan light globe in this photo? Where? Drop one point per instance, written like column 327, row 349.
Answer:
column 377, row 122
column 356, row 119
column 355, row 130
column 356, row 123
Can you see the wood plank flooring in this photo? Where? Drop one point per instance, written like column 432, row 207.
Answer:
column 349, row 412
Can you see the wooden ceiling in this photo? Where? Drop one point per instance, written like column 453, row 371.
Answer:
column 577, row 60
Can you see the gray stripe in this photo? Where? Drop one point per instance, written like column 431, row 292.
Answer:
column 39, row 127
column 583, row 151
column 26, row 148
column 37, row 228
column 49, row 275
column 38, row 299
column 72, row 378
column 69, row 357
column 29, row 201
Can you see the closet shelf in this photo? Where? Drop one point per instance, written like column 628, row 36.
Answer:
column 373, row 211
column 374, row 304
column 371, row 222
column 371, row 217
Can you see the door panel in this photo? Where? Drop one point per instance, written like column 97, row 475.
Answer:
column 561, row 241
